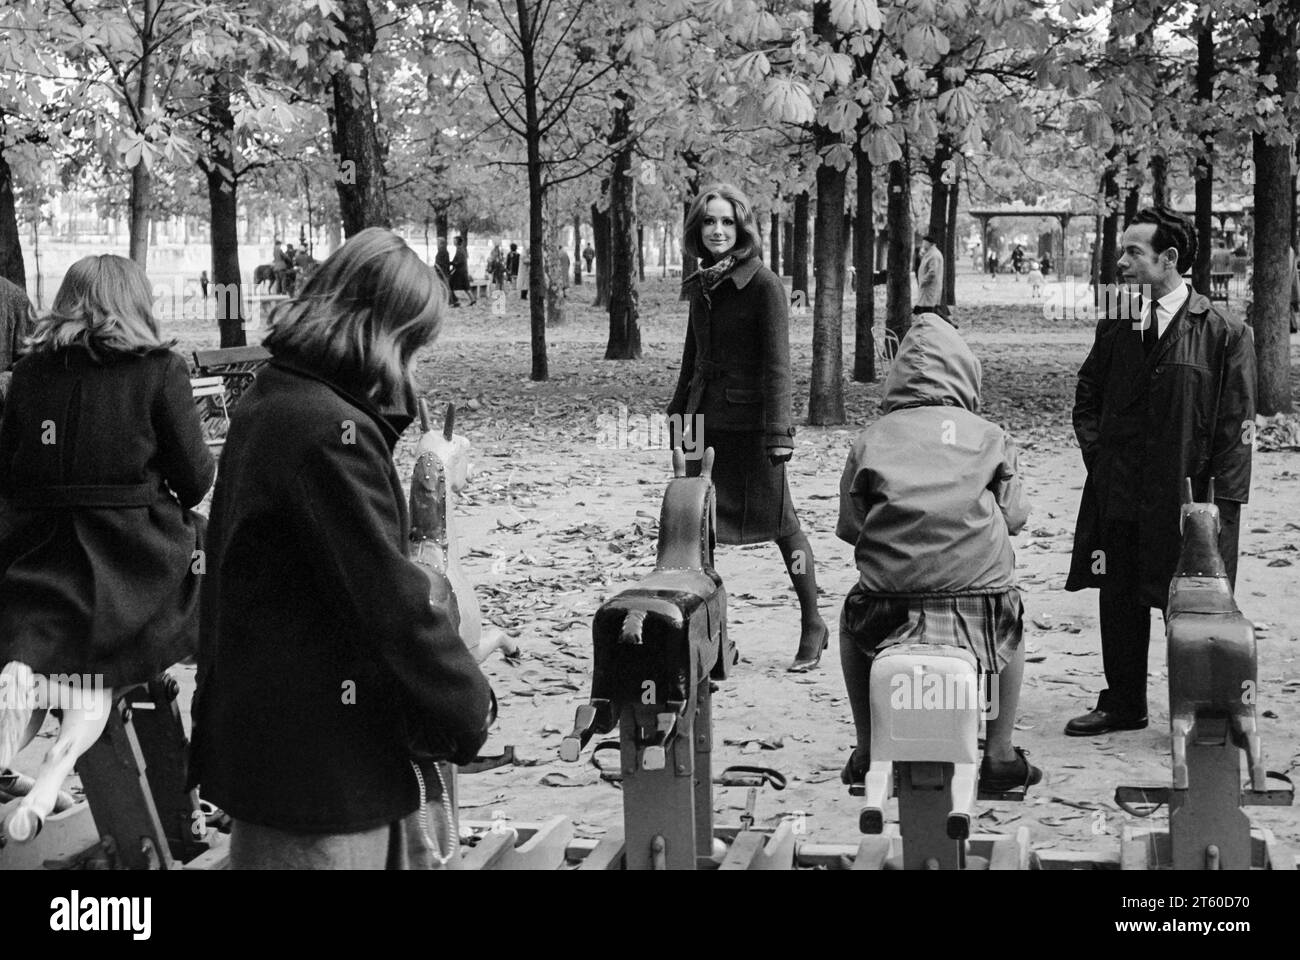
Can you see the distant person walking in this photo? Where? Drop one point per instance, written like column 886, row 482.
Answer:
column 1018, row 260
column 929, row 280
column 442, row 263
column 496, row 267
column 279, row 266
column 203, row 283
column 460, row 274
column 564, row 269
column 588, row 255
column 512, row 266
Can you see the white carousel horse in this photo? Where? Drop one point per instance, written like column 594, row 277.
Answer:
column 441, row 471
column 23, row 703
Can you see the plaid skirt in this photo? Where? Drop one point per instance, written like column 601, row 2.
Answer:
column 989, row 625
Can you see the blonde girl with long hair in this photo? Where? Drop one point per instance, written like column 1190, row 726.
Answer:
column 101, row 457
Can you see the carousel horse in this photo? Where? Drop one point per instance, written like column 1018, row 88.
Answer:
column 441, row 470
column 1212, row 657
column 85, row 712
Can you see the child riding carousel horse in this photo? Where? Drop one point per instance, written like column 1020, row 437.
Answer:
column 101, row 458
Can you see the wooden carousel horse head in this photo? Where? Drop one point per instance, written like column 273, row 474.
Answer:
column 441, row 470
column 1199, row 524
column 1212, row 658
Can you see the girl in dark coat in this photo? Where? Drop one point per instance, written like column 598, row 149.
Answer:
column 734, row 390
column 328, row 683
column 101, row 457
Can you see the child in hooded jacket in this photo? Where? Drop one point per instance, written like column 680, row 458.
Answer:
column 930, row 498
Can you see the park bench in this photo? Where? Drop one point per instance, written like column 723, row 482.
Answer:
column 221, row 377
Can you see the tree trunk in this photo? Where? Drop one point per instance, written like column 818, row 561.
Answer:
column 864, row 262
column 1271, row 286
column 363, row 195
column 950, row 249
column 1106, row 249
column 692, row 160
column 898, row 286
column 555, row 277
column 624, row 329
column 1204, row 170
column 938, row 227
column 224, row 210
column 826, row 390
column 12, row 267
column 536, row 199
column 141, row 181
column 799, row 248
column 1133, row 197
column 1160, row 182
column 577, row 249
column 689, row 264
column 600, row 231
column 774, row 250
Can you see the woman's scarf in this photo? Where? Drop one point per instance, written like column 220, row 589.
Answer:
column 707, row 278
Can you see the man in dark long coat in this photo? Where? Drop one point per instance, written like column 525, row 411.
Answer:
column 1159, row 398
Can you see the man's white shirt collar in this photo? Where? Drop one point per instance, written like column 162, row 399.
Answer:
column 1167, row 307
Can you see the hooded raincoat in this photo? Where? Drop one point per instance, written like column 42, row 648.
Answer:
column 930, row 495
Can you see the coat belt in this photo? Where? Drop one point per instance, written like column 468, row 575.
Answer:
column 92, row 495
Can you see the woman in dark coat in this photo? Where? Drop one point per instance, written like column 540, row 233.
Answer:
column 460, row 272
column 734, row 393
column 328, row 684
column 101, row 457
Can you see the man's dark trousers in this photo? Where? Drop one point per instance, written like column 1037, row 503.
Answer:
column 1125, row 621
column 1125, row 617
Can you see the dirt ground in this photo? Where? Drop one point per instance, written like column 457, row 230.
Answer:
column 557, row 519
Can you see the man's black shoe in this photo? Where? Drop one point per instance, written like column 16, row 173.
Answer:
column 1103, row 721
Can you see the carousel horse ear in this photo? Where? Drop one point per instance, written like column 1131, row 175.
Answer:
column 706, row 468
column 679, row 462
column 1187, row 490
column 449, row 422
column 424, row 415
column 1210, row 495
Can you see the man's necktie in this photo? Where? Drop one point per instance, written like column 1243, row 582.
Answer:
column 1151, row 332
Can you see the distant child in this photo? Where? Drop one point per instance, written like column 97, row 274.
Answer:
column 930, row 498
column 101, row 458
column 1035, row 277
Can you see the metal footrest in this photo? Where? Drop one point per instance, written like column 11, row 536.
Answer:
column 1275, row 797
column 1150, row 795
